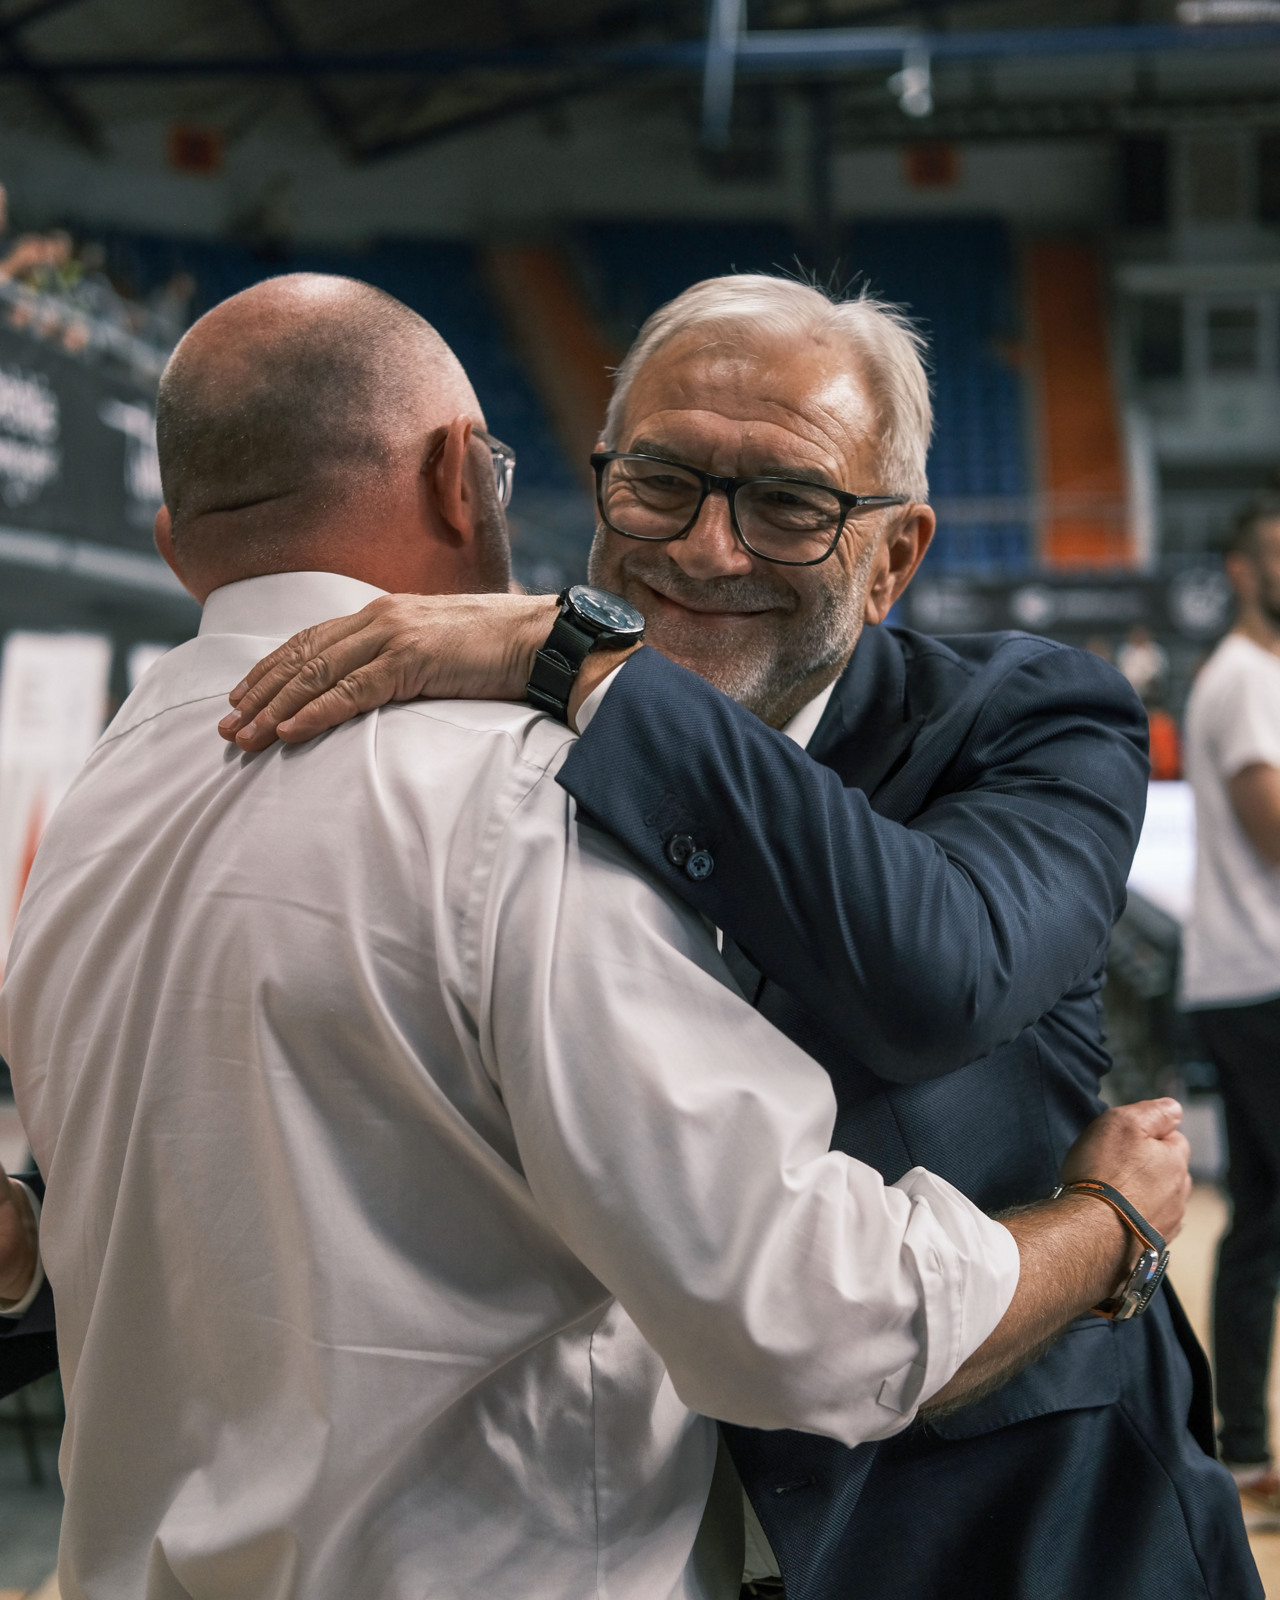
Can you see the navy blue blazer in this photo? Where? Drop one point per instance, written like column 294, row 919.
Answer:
column 924, row 901
column 28, row 1347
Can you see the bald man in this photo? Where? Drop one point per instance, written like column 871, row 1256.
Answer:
column 418, row 1181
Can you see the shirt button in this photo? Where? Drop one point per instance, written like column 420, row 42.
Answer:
column 701, row 864
column 679, row 848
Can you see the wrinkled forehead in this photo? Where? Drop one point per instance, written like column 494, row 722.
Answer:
column 728, row 378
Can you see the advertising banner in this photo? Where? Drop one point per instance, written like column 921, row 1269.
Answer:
column 1191, row 603
column 77, row 444
column 53, row 701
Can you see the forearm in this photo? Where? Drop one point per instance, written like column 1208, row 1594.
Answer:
column 1073, row 1252
column 682, row 1154
column 402, row 647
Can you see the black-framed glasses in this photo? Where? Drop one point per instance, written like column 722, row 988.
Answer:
column 504, row 464
column 785, row 520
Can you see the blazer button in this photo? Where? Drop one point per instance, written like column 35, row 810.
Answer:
column 679, row 848
column 701, row 864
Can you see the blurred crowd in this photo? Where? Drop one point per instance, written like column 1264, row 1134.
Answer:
column 61, row 288
column 1145, row 662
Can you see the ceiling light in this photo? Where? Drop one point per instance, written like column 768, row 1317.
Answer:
column 914, row 84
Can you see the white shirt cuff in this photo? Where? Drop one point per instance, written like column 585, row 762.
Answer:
column 19, row 1308
column 969, row 1266
column 595, row 699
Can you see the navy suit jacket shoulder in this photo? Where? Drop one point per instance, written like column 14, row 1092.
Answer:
column 941, row 867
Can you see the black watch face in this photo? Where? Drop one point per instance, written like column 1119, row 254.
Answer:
column 605, row 610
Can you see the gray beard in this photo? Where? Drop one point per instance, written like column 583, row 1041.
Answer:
column 776, row 682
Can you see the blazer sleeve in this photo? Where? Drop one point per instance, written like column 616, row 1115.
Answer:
column 28, row 1345
column 922, row 946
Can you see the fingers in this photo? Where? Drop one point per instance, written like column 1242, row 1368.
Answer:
column 1156, row 1119
column 281, row 700
column 1180, row 1143
column 1135, row 1144
column 295, row 679
column 276, row 672
column 289, row 657
column 363, row 690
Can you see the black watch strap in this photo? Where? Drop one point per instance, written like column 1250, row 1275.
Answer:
column 1132, row 1218
column 1147, row 1272
column 556, row 667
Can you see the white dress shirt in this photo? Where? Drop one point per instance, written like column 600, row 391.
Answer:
column 418, row 1184
column 1231, row 944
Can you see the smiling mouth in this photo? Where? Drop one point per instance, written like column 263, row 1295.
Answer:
column 711, row 613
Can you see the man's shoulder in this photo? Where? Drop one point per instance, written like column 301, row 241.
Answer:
column 467, row 757
column 941, row 669
column 913, row 705
column 1235, row 659
column 1235, row 693
column 510, row 731
column 971, row 653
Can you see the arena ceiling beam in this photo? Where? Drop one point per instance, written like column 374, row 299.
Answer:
column 330, row 111
column 774, row 52
column 544, row 99
column 42, row 79
column 37, row 12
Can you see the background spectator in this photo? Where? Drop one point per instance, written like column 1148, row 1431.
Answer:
column 1232, row 978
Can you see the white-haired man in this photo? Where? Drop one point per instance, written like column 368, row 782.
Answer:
column 916, row 849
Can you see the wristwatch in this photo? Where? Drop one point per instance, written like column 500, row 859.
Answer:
column 590, row 619
column 1149, row 1269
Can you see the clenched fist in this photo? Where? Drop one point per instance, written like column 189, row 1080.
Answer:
column 1138, row 1150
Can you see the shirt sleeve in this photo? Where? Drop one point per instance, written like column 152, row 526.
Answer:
column 1248, row 731
column 680, row 1146
column 19, row 1308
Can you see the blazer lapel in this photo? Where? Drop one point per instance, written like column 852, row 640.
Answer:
column 865, row 731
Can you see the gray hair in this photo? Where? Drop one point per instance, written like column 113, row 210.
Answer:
column 882, row 341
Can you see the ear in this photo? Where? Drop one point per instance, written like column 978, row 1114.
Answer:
column 451, row 477
column 164, row 544
column 899, row 556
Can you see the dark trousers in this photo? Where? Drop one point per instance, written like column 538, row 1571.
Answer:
column 1244, row 1042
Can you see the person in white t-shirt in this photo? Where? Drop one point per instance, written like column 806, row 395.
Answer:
column 1231, row 978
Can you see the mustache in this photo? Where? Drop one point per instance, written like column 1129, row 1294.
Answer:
column 750, row 592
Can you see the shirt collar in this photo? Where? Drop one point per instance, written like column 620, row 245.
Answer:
column 283, row 602
column 803, row 725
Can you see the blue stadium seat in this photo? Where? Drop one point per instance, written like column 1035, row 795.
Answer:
column 439, row 279
column 956, row 277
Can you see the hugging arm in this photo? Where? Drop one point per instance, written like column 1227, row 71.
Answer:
column 923, row 946
column 783, row 1284
column 924, row 942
